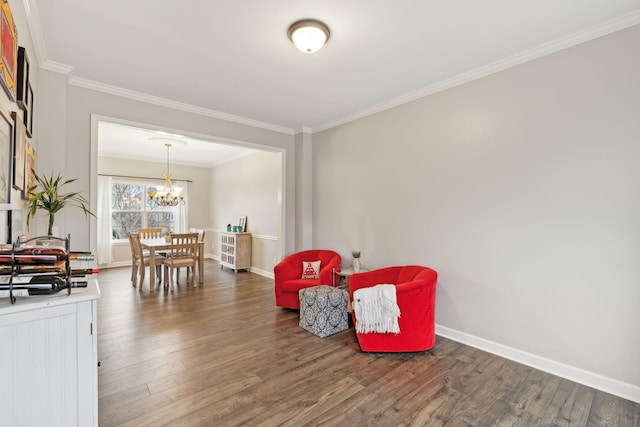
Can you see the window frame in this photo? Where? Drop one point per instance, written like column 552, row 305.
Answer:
column 144, row 211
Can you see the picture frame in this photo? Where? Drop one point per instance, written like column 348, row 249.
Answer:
column 6, row 160
column 27, row 115
column 19, row 151
column 8, row 50
column 5, row 233
column 15, row 224
column 243, row 223
column 22, row 79
column 29, row 167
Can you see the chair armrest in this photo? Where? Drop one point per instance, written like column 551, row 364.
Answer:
column 284, row 270
column 372, row 278
column 414, row 285
column 326, row 272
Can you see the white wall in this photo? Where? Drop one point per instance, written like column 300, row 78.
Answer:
column 250, row 186
column 521, row 190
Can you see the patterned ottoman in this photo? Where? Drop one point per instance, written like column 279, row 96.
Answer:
column 323, row 310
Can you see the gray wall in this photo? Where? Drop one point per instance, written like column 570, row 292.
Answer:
column 69, row 135
column 521, row 190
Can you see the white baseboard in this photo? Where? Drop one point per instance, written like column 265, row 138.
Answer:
column 117, row 264
column 597, row 381
column 258, row 271
column 264, row 273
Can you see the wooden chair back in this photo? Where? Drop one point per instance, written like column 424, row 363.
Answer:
column 136, row 249
column 200, row 232
column 184, row 253
column 184, row 245
column 150, row 233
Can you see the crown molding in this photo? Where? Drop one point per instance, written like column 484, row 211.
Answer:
column 594, row 32
column 33, row 22
column 304, row 129
column 163, row 102
column 57, row 67
column 580, row 37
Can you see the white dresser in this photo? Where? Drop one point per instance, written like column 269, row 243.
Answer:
column 235, row 250
column 49, row 359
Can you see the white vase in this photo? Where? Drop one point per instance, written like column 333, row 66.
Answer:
column 356, row 265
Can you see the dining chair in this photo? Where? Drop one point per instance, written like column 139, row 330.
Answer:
column 150, row 233
column 200, row 232
column 184, row 253
column 139, row 261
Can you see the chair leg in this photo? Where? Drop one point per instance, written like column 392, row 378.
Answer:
column 134, row 271
column 142, row 271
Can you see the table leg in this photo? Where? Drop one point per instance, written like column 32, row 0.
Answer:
column 152, row 269
column 201, row 263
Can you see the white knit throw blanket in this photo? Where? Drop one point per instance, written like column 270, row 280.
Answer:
column 376, row 309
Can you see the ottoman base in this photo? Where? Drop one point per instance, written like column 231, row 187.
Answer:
column 323, row 310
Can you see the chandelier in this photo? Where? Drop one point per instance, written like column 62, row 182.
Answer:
column 167, row 194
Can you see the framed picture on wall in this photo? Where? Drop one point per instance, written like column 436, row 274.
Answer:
column 22, row 80
column 6, row 160
column 15, row 224
column 29, row 167
column 8, row 50
column 19, row 151
column 5, row 234
column 28, row 112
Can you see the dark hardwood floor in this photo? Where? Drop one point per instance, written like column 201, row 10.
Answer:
column 222, row 354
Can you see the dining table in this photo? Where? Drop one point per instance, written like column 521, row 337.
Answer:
column 156, row 245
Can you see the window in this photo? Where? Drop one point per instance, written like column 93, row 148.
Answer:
column 131, row 210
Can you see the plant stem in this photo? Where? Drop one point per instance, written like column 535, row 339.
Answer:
column 50, row 233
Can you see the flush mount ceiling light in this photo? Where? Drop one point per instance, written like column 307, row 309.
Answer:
column 308, row 35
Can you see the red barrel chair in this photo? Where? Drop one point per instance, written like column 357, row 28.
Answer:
column 288, row 274
column 416, row 298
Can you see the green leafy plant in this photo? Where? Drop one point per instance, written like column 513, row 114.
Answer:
column 45, row 195
column 355, row 254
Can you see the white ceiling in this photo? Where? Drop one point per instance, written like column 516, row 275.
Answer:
column 136, row 143
column 233, row 59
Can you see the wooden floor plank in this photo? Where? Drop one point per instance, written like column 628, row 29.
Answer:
column 221, row 353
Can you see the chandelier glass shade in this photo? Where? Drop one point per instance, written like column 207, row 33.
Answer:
column 166, row 195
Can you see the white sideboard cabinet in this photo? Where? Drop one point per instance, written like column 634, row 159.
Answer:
column 49, row 359
column 235, row 250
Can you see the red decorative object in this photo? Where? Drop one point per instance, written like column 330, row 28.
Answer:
column 416, row 297
column 8, row 50
column 288, row 273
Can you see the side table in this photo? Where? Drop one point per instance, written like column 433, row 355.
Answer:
column 338, row 279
